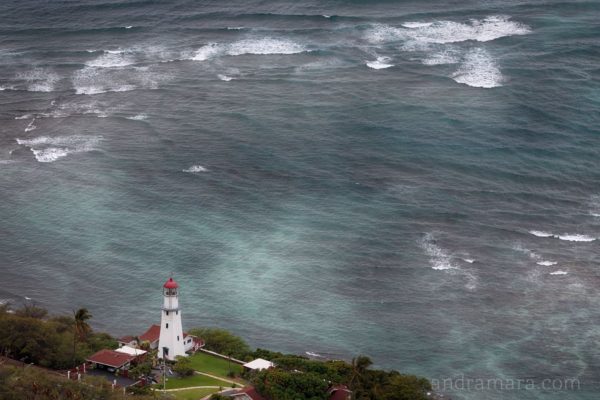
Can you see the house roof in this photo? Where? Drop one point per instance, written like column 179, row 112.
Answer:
column 259, row 364
column 340, row 392
column 151, row 335
column 131, row 351
column 110, row 358
column 126, row 339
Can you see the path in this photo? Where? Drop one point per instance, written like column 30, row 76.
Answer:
column 219, row 378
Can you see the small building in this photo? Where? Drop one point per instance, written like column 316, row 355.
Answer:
column 259, row 364
column 127, row 341
column 111, row 360
column 132, row 351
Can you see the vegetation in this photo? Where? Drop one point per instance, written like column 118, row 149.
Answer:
column 183, row 367
column 297, row 377
column 33, row 383
column 223, row 342
column 29, row 335
column 32, row 336
column 193, row 394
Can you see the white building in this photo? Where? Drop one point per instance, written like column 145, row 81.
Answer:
column 259, row 364
column 171, row 339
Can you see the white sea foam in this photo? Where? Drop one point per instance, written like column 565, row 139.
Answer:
column 138, row 117
column 195, row 169
column 441, row 32
column 112, row 59
column 559, row 272
column 31, row 126
column 224, row 77
column 39, row 79
column 24, row 116
column 575, row 237
column 261, row 46
column 129, row 27
column 413, row 25
column 440, row 58
column 92, row 80
column 48, row 149
column 205, row 52
column 478, row 70
column 264, row 46
column 380, row 63
column 49, row 154
column 438, row 257
column 235, row 28
column 541, row 233
column 570, row 237
column 313, row 354
column 546, row 263
column 469, row 260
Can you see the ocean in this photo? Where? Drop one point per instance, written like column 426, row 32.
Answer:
column 417, row 181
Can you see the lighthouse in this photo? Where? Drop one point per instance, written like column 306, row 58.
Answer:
column 171, row 340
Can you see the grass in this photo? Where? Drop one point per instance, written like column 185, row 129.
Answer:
column 194, row 380
column 192, row 394
column 213, row 365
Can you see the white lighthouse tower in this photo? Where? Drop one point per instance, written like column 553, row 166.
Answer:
column 170, row 342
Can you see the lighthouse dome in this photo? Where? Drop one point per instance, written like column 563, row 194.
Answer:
column 170, row 284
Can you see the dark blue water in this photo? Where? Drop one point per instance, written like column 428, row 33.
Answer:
column 416, row 181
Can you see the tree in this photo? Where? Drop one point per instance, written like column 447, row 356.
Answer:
column 183, row 366
column 222, row 341
column 80, row 327
column 359, row 366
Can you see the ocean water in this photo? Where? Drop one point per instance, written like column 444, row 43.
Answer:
column 418, row 181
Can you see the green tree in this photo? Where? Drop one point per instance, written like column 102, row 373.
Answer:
column 183, row 366
column 222, row 341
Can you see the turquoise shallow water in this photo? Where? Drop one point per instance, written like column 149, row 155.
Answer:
column 416, row 181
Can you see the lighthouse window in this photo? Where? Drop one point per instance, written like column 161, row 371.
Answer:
column 167, row 325
column 167, row 312
column 177, row 312
column 178, row 338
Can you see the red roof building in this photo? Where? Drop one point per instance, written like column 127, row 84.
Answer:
column 111, row 359
column 151, row 335
column 340, row 392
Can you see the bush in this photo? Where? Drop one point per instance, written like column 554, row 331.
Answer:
column 183, row 367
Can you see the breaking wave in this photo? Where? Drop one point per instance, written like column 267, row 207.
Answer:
column 559, row 272
column 478, row 69
column 49, row 149
column 442, row 32
column 39, row 80
column 546, row 263
column 380, row 63
column 262, row 46
column 570, row 237
column 112, row 59
column 195, row 169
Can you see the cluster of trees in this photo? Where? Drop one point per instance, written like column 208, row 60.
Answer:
column 223, row 342
column 59, row 342
column 32, row 383
column 297, row 377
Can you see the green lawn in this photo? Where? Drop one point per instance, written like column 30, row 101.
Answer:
column 213, row 365
column 192, row 394
column 194, row 380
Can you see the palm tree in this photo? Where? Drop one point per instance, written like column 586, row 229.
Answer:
column 80, row 328
column 359, row 366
